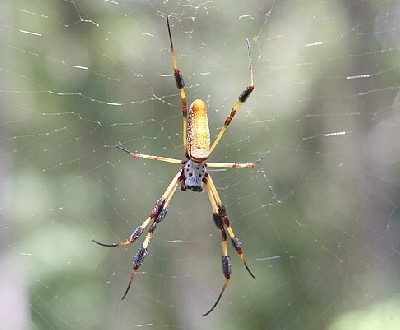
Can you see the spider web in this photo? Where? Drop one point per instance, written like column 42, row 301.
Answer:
column 318, row 218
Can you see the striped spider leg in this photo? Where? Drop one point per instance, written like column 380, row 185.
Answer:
column 221, row 220
column 180, row 84
column 156, row 215
column 242, row 99
column 235, row 165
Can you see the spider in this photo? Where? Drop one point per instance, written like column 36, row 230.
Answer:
column 193, row 175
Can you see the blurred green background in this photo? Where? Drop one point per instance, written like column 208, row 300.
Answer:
column 319, row 218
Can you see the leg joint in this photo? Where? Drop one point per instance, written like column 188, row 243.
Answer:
column 180, row 83
column 229, row 119
column 226, row 266
column 136, row 233
column 218, row 221
column 245, row 94
column 224, row 216
column 161, row 215
column 153, row 227
column 237, row 244
column 139, row 257
column 157, row 208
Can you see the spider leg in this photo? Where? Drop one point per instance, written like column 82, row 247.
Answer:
column 135, row 234
column 235, row 165
column 226, row 269
column 242, row 99
column 157, row 214
column 226, row 261
column 153, row 214
column 180, row 84
column 221, row 213
column 144, row 156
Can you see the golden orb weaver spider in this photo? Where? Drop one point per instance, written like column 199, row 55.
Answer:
column 193, row 175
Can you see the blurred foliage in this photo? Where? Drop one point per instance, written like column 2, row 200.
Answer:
column 318, row 218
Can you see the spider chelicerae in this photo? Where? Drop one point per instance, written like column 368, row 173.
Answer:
column 193, row 175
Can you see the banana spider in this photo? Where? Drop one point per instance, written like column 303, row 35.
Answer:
column 193, row 175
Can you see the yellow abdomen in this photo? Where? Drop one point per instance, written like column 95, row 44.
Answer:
column 198, row 134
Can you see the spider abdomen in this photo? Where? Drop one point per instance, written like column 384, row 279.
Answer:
column 198, row 134
column 194, row 173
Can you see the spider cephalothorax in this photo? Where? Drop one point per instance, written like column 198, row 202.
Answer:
column 193, row 175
